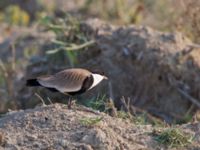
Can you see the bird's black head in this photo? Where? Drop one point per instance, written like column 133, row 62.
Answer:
column 98, row 72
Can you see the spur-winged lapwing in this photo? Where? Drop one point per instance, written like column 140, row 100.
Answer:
column 70, row 81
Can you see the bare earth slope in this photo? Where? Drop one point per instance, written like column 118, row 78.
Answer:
column 56, row 127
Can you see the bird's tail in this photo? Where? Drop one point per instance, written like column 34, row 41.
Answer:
column 32, row 82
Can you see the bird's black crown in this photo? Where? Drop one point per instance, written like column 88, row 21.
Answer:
column 98, row 72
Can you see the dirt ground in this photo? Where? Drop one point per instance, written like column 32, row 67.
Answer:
column 56, row 127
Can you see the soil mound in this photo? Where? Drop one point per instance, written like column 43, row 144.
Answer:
column 56, row 127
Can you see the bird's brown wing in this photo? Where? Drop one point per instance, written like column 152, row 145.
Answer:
column 69, row 80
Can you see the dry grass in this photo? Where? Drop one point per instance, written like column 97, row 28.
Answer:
column 90, row 121
column 189, row 20
column 2, row 139
column 173, row 137
column 7, row 73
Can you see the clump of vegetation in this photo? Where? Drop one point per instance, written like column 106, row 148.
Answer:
column 173, row 137
column 69, row 37
column 7, row 78
column 120, row 11
column 140, row 119
column 90, row 121
column 137, row 116
column 137, row 119
column 14, row 15
column 123, row 114
column 96, row 103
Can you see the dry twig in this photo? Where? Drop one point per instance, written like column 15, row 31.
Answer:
column 40, row 98
column 173, row 83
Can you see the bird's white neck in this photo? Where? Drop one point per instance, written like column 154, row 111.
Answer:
column 97, row 79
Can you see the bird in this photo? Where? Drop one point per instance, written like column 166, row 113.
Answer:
column 71, row 82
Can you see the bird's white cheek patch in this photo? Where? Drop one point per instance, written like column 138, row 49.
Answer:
column 97, row 79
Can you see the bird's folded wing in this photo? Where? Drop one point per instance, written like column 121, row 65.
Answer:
column 63, row 81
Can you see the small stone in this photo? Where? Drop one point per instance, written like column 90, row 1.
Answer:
column 95, row 138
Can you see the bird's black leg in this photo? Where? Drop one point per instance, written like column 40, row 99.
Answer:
column 71, row 102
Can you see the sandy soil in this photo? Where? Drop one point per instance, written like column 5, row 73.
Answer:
column 56, row 127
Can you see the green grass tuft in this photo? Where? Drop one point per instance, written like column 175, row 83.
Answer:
column 123, row 114
column 96, row 103
column 90, row 121
column 173, row 137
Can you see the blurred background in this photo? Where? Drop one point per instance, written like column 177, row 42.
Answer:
column 163, row 15
column 44, row 36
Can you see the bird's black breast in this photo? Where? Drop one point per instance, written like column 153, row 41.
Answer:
column 87, row 83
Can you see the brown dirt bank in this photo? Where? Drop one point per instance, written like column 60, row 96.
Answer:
column 56, row 127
